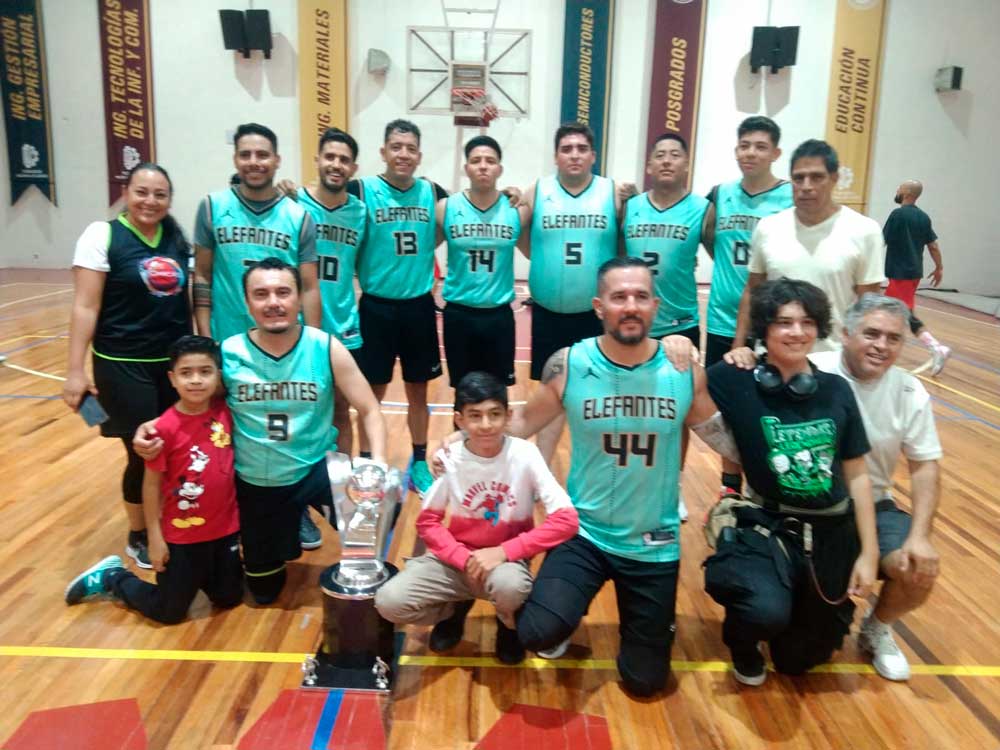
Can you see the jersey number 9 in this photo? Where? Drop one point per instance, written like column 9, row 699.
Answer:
column 277, row 427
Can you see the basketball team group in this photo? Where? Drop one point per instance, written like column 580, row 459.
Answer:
column 231, row 368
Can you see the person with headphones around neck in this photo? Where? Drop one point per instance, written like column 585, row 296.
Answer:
column 806, row 542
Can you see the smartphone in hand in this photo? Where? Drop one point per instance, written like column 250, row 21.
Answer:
column 92, row 411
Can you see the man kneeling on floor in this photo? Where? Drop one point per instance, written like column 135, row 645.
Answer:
column 489, row 488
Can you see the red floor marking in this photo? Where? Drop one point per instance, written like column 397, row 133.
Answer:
column 359, row 724
column 288, row 724
column 109, row 725
column 524, row 727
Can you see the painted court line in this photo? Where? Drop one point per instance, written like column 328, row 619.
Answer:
column 414, row 660
column 37, row 296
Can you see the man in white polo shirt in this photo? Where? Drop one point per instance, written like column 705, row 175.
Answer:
column 898, row 417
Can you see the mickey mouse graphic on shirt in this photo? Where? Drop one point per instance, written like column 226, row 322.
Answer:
column 190, row 489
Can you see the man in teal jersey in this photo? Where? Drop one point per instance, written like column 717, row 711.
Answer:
column 340, row 228
column 663, row 227
column 396, row 273
column 735, row 209
column 481, row 229
column 279, row 378
column 574, row 228
column 626, row 404
column 248, row 222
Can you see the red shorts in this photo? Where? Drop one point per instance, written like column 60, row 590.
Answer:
column 904, row 290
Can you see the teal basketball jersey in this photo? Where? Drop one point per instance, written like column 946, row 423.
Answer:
column 339, row 232
column 397, row 257
column 571, row 236
column 480, row 252
column 668, row 241
column 243, row 235
column 282, row 407
column 625, row 427
column 736, row 215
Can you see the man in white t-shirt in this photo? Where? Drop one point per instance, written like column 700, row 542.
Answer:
column 898, row 417
column 817, row 240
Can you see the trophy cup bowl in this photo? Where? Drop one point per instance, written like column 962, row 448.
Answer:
column 358, row 651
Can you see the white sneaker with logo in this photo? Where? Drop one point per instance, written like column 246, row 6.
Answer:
column 887, row 658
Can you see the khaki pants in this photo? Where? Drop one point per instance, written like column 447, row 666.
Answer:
column 426, row 590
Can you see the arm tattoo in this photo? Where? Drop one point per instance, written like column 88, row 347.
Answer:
column 555, row 366
column 202, row 293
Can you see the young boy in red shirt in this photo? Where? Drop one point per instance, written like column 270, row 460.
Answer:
column 188, row 498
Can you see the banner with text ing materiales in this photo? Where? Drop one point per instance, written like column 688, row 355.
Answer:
column 322, row 75
column 851, row 107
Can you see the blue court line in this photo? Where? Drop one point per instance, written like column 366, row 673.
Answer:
column 966, row 414
column 39, row 398
column 32, row 345
column 327, row 719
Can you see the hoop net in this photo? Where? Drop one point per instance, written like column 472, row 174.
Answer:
column 472, row 107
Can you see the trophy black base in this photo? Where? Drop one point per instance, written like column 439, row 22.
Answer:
column 360, row 648
column 331, row 673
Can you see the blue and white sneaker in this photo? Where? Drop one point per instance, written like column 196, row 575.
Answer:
column 90, row 583
column 420, row 476
column 310, row 537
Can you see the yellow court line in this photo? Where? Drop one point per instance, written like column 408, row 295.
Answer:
column 417, row 660
column 957, row 392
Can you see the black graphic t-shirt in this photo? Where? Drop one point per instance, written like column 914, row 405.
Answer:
column 791, row 450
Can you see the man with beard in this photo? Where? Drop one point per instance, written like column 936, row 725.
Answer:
column 340, row 229
column 625, row 404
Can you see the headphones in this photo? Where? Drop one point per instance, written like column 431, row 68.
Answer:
column 800, row 387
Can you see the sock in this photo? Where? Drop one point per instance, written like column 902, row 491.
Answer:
column 928, row 340
column 137, row 536
column 419, row 452
column 732, row 481
column 873, row 623
column 364, row 454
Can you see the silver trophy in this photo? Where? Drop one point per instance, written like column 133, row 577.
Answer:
column 358, row 651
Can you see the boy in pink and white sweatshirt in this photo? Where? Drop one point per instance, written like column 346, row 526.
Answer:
column 489, row 489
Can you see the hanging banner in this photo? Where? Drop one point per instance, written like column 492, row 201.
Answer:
column 127, row 69
column 26, row 99
column 850, row 113
column 679, row 36
column 586, row 81
column 322, row 74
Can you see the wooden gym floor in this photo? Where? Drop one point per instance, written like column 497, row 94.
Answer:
column 218, row 679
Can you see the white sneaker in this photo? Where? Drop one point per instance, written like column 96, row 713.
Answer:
column 940, row 355
column 682, row 509
column 555, row 652
column 887, row 658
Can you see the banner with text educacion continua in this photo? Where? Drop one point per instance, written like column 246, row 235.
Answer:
column 25, row 99
column 675, row 84
column 322, row 75
column 586, row 80
column 853, row 95
column 127, row 72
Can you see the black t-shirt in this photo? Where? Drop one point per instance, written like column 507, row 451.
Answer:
column 791, row 451
column 906, row 232
column 144, row 307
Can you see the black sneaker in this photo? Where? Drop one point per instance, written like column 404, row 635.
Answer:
column 447, row 633
column 138, row 549
column 508, row 646
column 310, row 537
column 749, row 667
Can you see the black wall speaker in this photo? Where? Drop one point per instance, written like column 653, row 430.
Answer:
column 234, row 34
column 773, row 47
column 259, row 31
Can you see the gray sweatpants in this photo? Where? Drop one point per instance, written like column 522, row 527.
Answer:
column 425, row 591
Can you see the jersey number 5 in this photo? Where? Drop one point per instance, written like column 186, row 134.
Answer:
column 277, row 427
column 574, row 253
column 406, row 243
column 621, row 444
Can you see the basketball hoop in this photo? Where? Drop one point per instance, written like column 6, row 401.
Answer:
column 472, row 108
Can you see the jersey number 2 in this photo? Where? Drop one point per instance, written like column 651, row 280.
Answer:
column 621, row 444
